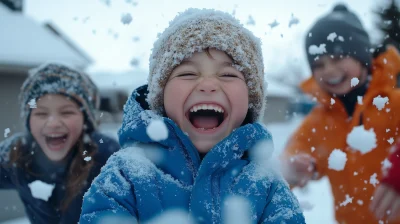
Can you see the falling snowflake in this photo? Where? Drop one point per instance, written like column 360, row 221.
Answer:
column 250, row 21
column 380, row 102
column 391, row 140
column 332, row 101
column 293, row 21
column 273, row 24
column 101, row 141
column 373, row 180
column 135, row 39
column 360, row 100
column 341, row 38
column 354, row 82
column 126, row 19
column 87, row 158
column 135, row 62
column 237, row 210
column 6, row 132
column 312, row 149
column 347, row 200
column 361, row 139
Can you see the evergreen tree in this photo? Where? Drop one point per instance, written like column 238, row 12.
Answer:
column 389, row 24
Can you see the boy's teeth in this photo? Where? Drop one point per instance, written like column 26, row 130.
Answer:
column 207, row 107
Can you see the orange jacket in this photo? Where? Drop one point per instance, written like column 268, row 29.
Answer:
column 326, row 128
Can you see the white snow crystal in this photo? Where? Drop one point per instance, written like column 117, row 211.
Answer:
column 361, row 139
column 347, row 200
column 126, row 18
column 332, row 101
column 273, row 24
column 250, row 21
column 380, row 102
column 101, row 115
column 360, row 202
column 32, row 103
column 237, row 210
column 391, row 140
column 101, row 141
column 360, row 100
column 355, row 173
column 41, row 190
column 386, row 164
column 354, row 82
column 313, row 130
column 387, row 130
column 341, row 38
column 337, row 160
column 384, row 61
column 157, row 130
column 87, row 158
column 6, row 132
column 314, row 49
column 84, row 152
column 312, row 149
column 373, row 180
column 293, row 21
column 331, row 36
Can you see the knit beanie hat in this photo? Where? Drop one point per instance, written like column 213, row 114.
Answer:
column 340, row 32
column 59, row 79
column 195, row 30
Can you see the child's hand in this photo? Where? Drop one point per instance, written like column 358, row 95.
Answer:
column 386, row 202
column 299, row 169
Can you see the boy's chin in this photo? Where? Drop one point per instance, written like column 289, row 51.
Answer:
column 203, row 146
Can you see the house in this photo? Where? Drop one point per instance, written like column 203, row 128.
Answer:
column 25, row 44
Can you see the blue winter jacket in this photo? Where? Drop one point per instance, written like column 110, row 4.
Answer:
column 147, row 177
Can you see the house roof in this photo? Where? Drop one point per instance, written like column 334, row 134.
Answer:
column 24, row 43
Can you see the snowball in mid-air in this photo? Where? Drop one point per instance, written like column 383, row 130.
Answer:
column 41, row 190
column 354, row 81
column 337, row 160
column 361, row 139
column 157, row 130
column 237, row 210
column 380, row 102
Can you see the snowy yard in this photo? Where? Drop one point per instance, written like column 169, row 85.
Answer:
column 316, row 198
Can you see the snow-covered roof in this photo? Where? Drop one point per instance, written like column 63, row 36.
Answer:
column 26, row 43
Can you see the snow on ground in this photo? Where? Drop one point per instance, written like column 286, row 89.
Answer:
column 315, row 198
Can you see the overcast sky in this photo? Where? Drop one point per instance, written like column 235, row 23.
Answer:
column 95, row 25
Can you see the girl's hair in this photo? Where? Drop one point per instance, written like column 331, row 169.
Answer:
column 78, row 170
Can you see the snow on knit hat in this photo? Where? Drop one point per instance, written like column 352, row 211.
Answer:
column 195, row 30
column 59, row 79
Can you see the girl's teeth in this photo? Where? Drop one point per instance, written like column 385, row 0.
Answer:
column 207, row 107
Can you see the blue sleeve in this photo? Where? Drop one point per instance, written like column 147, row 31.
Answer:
column 5, row 168
column 110, row 199
column 282, row 206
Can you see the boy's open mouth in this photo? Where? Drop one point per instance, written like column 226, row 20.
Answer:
column 56, row 141
column 335, row 81
column 206, row 116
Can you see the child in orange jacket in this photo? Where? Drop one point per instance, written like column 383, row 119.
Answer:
column 356, row 95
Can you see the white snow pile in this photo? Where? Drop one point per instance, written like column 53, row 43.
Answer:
column 126, row 18
column 380, row 102
column 361, row 139
column 314, row 49
column 337, row 160
column 157, row 130
column 237, row 210
column 6, row 132
column 354, row 81
column 41, row 190
column 172, row 216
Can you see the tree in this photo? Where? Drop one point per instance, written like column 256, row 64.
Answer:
column 389, row 24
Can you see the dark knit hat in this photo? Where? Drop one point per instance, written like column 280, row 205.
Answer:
column 60, row 79
column 195, row 30
column 340, row 32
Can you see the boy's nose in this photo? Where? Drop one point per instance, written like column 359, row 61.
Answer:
column 53, row 122
column 208, row 85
